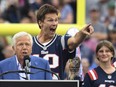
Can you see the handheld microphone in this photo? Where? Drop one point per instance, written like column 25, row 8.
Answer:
column 26, row 65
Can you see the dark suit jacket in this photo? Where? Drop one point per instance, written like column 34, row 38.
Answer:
column 10, row 64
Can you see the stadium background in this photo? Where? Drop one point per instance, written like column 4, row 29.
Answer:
column 11, row 29
column 87, row 47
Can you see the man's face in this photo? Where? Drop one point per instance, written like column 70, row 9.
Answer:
column 23, row 47
column 49, row 24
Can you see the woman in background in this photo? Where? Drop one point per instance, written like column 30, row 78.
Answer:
column 105, row 74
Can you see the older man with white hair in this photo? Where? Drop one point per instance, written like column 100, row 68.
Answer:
column 22, row 45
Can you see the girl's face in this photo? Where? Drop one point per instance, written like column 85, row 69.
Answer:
column 104, row 54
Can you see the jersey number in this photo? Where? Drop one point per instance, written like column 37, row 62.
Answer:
column 55, row 61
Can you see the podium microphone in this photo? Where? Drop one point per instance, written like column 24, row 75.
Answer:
column 26, row 65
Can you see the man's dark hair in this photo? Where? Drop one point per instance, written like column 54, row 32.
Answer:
column 45, row 9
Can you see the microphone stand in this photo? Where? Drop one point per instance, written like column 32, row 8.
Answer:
column 15, row 71
column 26, row 65
column 46, row 71
column 26, row 73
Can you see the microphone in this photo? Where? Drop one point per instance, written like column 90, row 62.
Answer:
column 15, row 71
column 26, row 65
column 45, row 71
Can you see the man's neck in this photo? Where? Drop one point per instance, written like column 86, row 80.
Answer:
column 44, row 39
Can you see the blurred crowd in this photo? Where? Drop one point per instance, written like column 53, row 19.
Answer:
column 24, row 11
column 100, row 13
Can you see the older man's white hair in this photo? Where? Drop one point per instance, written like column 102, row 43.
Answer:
column 21, row 34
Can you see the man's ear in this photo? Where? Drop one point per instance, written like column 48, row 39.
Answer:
column 40, row 23
column 13, row 47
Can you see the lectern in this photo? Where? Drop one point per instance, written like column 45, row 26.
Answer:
column 39, row 83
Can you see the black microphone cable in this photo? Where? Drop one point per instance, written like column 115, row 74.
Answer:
column 27, row 65
column 46, row 71
column 15, row 71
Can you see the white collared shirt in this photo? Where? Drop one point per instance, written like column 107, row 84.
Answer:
column 22, row 75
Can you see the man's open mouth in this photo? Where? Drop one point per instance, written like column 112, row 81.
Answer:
column 25, row 53
column 53, row 30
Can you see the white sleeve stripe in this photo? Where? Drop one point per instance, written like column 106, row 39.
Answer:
column 93, row 75
column 78, row 53
column 114, row 64
column 63, row 42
